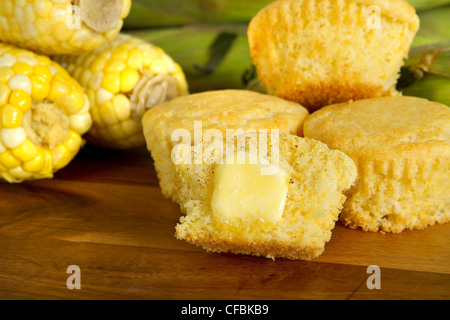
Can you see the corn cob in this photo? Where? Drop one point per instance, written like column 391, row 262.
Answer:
column 43, row 114
column 123, row 79
column 61, row 26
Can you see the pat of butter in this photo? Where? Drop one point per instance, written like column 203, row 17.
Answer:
column 247, row 191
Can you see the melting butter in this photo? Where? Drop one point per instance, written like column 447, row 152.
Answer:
column 244, row 189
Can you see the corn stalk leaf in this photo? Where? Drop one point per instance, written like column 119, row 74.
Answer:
column 431, row 87
column 158, row 13
column 191, row 45
column 434, row 27
column 422, row 5
column 218, row 51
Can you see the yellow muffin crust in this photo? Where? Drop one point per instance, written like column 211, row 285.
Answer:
column 323, row 52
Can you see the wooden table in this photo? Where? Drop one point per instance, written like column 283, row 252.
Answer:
column 105, row 214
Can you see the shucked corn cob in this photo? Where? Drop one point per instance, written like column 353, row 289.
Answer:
column 124, row 78
column 61, row 26
column 43, row 113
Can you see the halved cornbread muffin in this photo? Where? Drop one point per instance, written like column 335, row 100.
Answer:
column 281, row 200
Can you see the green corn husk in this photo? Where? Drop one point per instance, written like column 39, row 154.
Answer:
column 191, row 47
column 427, row 70
column 158, row 13
column 434, row 27
column 428, row 73
column 422, row 5
column 431, row 87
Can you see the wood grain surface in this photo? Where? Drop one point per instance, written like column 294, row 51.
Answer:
column 105, row 213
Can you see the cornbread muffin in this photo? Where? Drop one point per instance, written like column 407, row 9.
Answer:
column 221, row 110
column 401, row 146
column 315, row 180
column 323, row 52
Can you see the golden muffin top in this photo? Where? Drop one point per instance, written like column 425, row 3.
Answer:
column 226, row 109
column 383, row 127
column 398, row 9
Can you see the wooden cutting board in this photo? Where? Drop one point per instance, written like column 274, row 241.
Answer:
column 105, row 214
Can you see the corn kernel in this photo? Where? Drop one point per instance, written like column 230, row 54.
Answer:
column 11, row 117
column 2, row 148
column 98, row 65
column 73, row 142
column 136, row 60
column 20, row 174
column 130, row 127
column 42, row 8
column 25, row 152
column 122, row 106
column 129, row 78
column 103, row 96
column 8, row 6
column 111, row 82
column 29, row 13
column 116, row 132
column 21, row 100
column 29, row 59
column 96, row 117
column 115, row 65
column 96, row 81
column 40, row 87
column 6, row 73
column 81, row 123
column 20, row 82
column 61, row 157
column 4, row 93
column 58, row 88
column 45, row 29
column 43, row 71
column 12, row 138
column 159, row 66
column 80, row 37
column 7, row 60
column 23, row 68
column 108, row 114
column 78, row 99
column 37, row 163
column 8, row 160
column 72, row 103
column 86, row 76
column 43, row 60
column 119, row 54
column 62, row 33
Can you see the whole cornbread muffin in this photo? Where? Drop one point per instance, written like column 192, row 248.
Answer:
column 401, row 146
column 281, row 201
column 224, row 111
column 330, row 51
